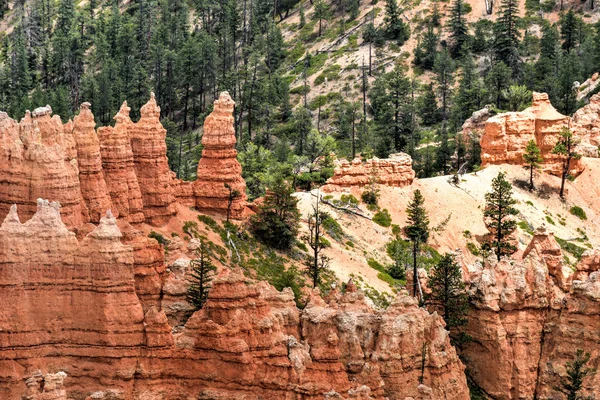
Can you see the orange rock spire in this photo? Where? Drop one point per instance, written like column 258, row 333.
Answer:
column 219, row 165
column 149, row 146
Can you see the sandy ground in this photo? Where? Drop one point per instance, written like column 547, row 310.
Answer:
column 464, row 205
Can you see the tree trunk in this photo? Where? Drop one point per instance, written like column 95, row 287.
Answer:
column 531, row 178
column 415, row 275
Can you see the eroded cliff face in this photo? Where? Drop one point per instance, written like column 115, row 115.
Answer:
column 528, row 320
column 506, row 135
column 124, row 169
column 38, row 159
column 74, row 306
column 394, row 171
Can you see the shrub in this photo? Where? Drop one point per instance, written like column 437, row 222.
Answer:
column 550, row 220
column 383, row 218
column 572, row 248
column 190, row 228
column 208, row 221
column 525, row 227
column 333, row 228
column 349, row 243
column 370, row 197
column 473, row 248
column 159, row 238
column 578, row 212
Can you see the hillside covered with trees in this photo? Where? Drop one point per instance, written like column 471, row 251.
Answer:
column 309, row 77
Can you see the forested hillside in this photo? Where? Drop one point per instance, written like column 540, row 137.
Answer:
column 309, row 77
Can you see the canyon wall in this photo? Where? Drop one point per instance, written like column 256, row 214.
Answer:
column 393, row 171
column 528, row 319
column 73, row 324
column 122, row 168
column 506, row 135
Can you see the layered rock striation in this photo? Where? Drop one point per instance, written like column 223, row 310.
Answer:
column 38, row 159
column 219, row 172
column 149, row 146
column 506, row 135
column 393, row 171
column 74, row 306
column 529, row 317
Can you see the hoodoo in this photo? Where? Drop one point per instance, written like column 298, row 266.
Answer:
column 506, row 135
column 149, row 146
column 119, row 171
column 219, row 166
column 91, row 175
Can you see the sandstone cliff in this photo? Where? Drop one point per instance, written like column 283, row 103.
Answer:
column 528, row 320
column 394, row 171
column 506, row 135
column 74, row 306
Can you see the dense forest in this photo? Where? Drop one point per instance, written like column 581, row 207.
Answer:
column 63, row 53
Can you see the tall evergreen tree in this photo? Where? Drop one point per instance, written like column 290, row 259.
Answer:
column 321, row 13
column 202, row 273
column 427, row 48
column 447, row 292
column 566, row 147
column 497, row 80
column 533, row 159
column 506, row 34
column 568, row 30
column 459, row 33
column 444, row 75
column 417, row 231
column 499, row 213
column 395, row 28
column 428, row 108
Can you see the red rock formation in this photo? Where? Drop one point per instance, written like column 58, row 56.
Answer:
column 119, row 171
column 394, row 171
column 39, row 161
column 149, row 146
column 586, row 123
column 219, row 165
column 506, row 135
column 528, row 320
column 91, row 175
column 46, row 387
column 475, row 124
column 73, row 305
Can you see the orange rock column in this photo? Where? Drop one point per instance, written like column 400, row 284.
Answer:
column 219, row 165
column 91, row 175
column 148, row 143
column 119, row 173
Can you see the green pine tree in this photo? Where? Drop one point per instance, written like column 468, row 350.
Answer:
column 497, row 80
column 533, row 159
column 277, row 221
column 566, row 147
column 203, row 271
column 459, row 32
column 577, row 372
column 321, row 13
column 506, row 34
column 395, row 28
column 417, row 230
column 499, row 213
column 428, row 109
column 444, row 68
column 448, row 295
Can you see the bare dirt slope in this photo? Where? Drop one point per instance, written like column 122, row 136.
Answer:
column 464, row 207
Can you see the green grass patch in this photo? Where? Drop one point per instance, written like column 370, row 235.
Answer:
column 525, row 227
column 210, row 222
column 572, row 248
column 383, row 218
column 578, row 212
column 550, row 220
column 333, row 229
column 473, row 248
